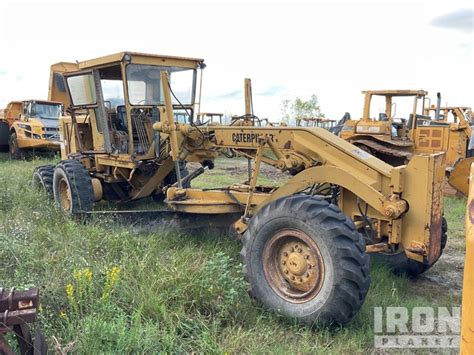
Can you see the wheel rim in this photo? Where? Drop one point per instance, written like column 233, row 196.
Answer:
column 293, row 265
column 64, row 195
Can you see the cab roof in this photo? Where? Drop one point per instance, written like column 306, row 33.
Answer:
column 451, row 108
column 39, row 101
column 142, row 58
column 396, row 92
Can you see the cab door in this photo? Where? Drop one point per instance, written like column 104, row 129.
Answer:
column 86, row 97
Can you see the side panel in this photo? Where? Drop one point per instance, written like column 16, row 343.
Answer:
column 457, row 143
column 423, row 190
column 13, row 111
column 430, row 139
column 68, row 135
column 467, row 325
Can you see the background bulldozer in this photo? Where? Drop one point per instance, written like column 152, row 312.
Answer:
column 395, row 133
column 305, row 242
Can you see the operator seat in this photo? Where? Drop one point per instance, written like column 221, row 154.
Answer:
column 121, row 119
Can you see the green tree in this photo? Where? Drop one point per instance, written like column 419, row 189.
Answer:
column 298, row 108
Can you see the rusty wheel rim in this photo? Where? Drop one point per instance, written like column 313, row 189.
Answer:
column 293, row 265
column 64, row 195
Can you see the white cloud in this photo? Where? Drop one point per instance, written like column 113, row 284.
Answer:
column 332, row 49
column 461, row 20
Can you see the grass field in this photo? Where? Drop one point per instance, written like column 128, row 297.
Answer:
column 110, row 288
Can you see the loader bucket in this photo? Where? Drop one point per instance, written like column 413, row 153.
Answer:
column 459, row 177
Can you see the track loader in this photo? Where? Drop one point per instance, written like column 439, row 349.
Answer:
column 395, row 137
column 306, row 243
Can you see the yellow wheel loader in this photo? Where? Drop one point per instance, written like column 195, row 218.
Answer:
column 306, row 243
column 30, row 126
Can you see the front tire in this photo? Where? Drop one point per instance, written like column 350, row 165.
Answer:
column 14, row 149
column 305, row 260
column 72, row 187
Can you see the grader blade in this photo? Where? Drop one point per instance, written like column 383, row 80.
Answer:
column 459, row 177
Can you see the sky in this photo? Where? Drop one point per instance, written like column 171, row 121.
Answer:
column 289, row 49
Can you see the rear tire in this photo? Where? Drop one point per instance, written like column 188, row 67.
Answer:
column 401, row 265
column 4, row 136
column 304, row 259
column 15, row 151
column 43, row 179
column 72, row 187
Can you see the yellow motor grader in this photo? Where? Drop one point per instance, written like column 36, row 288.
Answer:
column 306, row 243
column 394, row 132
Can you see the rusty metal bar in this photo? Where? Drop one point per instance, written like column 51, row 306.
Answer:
column 12, row 300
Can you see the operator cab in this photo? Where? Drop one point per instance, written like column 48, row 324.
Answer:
column 122, row 95
column 402, row 110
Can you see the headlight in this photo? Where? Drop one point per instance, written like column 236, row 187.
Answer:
column 24, row 126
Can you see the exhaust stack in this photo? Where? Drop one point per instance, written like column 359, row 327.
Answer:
column 438, row 106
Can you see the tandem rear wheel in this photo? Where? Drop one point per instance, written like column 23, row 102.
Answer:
column 72, row 187
column 304, row 260
column 43, row 179
column 401, row 265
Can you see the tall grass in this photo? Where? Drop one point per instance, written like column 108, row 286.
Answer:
column 106, row 288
